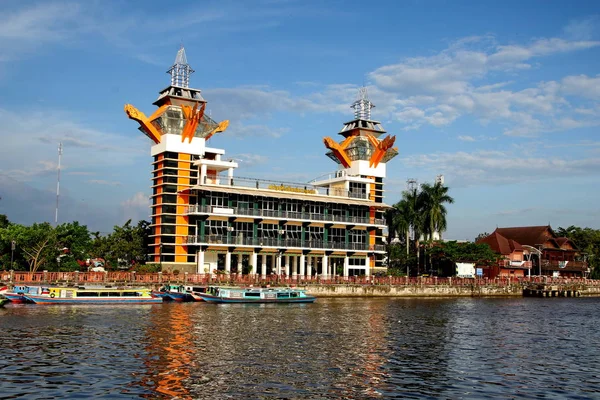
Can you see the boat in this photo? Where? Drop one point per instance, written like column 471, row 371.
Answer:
column 216, row 294
column 195, row 291
column 3, row 302
column 18, row 294
column 87, row 295
column 173, row 293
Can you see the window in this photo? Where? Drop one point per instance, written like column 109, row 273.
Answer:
column 170, row 154
column 337, row 235
column 168, row 219
column 293, row 231
column 213, row 227
column 315, row 233
column 170, row 164
column 170, row 188
column 268, row 230
column 218, row 199
column 357, row 236
column 267, row 204
column 169, row 209
column 169, row 198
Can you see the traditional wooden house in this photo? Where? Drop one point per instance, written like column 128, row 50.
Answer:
column 548, row 254
column 513, row 262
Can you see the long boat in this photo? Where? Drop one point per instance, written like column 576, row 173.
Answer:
column 216, row 294
column 83, row 295
column 173, row 293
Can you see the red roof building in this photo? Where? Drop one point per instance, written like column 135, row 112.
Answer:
column 538, row 248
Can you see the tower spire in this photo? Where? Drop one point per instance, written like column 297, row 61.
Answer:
column 362, row 106
column 181, row 70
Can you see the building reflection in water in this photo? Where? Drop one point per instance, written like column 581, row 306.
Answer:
column 169, row 352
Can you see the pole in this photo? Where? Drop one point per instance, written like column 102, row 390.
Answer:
column 58, row 183
column 13, row 246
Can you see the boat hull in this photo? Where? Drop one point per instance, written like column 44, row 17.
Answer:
column 217, row 299
column 18, row 298
column 92, row 300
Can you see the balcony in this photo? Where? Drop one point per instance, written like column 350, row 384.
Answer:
column 283, row 215
column 514, row 264
column 280, row 243
column 293, row 187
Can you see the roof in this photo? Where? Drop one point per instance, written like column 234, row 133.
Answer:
column 500, row 244
column 527, row 235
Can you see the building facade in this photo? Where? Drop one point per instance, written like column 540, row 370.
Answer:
column 537, row 249
column 206, row 220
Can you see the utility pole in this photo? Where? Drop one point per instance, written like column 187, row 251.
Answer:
column 58, row 183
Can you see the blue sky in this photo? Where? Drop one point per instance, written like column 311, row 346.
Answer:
column 502, row 98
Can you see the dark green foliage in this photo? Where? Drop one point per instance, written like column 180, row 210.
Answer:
column 67, row 246
column 587, row 241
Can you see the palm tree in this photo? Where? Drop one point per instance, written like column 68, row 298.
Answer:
column 431, row 205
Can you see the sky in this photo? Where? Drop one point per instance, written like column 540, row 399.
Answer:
column 502, row 98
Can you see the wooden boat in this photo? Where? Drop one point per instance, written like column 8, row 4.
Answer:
column 216, row 294
column 88, row 295
column 173, row 293
column 194, row 292
column 18, row 294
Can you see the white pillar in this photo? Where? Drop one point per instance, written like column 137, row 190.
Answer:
column 202, row 175
column 274, row 263
column 230, row 176
column 367, row 266
column 228, row 262
column 309, row 267
column 302, row 269
column 239, row 264
column 263, row 266
column 346, row 266
column 200, row 266
column 294, row 266
column 254, row 263
column 278, row 266
column 287, row 265
column 325, row 267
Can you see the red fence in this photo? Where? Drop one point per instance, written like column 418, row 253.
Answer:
column 153, row 279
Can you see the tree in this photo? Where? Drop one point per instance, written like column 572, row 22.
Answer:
column 447, row 254
column 125, row 246
column 481, row 236
column 431, row 202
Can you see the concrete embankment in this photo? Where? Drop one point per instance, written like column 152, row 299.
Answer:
column 515, row 290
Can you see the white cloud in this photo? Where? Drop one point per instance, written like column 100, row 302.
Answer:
column 135, row 208
column 104, row 182
column 466, row 138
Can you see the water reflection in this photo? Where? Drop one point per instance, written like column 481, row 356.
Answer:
column 335, row 348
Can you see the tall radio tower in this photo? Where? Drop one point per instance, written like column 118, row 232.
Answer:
column 58, row 183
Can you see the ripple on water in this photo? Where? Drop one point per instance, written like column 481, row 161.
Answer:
column 335, row 348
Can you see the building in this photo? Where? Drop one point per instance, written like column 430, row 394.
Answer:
column 205, row 220
column 536, row 249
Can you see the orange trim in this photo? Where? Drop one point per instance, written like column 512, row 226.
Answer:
column 339, row 150
column 193, row 117
column 150, row 130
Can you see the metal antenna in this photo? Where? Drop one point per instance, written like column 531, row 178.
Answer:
column 362, row 106
column 181, row 70
column 58, row 183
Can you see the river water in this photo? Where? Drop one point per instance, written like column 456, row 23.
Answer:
column 335, row 348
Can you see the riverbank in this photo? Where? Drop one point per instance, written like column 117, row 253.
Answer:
column 335, row 286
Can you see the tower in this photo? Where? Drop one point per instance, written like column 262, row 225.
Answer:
column 361, row 157
column 179, row 130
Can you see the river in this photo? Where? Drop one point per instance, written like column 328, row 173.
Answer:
column 459, row 348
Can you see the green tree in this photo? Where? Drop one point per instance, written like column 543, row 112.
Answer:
column 126, row 245
column 431, row 206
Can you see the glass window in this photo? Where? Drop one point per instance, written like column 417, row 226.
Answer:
column 293, row 231
column 169, row 198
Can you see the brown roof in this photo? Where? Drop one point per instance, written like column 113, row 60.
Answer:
column 527, row 235
column 500, row 244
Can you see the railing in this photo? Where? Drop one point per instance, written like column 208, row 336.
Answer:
column 279, row 186
column 286, row 215
column 276, row 242
column 512, row 263
column 133, row 278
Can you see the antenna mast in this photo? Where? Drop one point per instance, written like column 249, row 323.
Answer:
column 58, row 183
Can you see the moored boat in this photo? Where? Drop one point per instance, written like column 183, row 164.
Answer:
column 18, row 294
column 83, row 295
column 194, row 292
column 173, row 293
column 216, row 294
